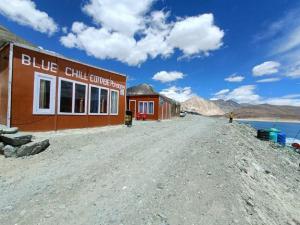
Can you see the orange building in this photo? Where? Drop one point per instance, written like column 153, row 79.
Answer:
column 143, row 100
column 42, row 91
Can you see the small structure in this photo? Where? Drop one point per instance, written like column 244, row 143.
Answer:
column 42, row 91
column 143, row 100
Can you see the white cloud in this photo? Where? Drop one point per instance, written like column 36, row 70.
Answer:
column 293, row 100
column 24, row 12
column 124, row 16
column 234, row 78
column 164, row 76
column 222, row 92
column 177, row 93
column 269, row 80
column 281, row 37
column 247, row 94
column 291, row 41
column 294, row 71
column 64, row 30
column 198, row 34
column 266, row 68
column 128, row 31
column 242, row 94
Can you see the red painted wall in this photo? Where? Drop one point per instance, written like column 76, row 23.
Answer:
column 23, row 91
column 4, row 61
column 154, row 98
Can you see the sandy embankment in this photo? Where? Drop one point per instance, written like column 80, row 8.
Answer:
column 192, row 170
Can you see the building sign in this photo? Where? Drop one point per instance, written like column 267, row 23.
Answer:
column 71, row 72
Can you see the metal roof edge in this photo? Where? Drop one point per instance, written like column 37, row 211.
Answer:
column 4, row 45
column 132, row 95
column 54, row 54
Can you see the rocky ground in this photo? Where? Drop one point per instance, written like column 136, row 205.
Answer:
column 194, row 170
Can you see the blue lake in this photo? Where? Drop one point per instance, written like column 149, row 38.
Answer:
column 290, row 129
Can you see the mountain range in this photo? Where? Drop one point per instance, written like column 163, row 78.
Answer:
column 242, row 111
column 201, row 106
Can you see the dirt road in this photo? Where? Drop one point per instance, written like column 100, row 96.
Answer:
column 194, row 170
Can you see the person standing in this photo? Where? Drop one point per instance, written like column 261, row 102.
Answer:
column 231, row 117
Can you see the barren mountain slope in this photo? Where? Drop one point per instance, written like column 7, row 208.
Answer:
column 202, row 106
column 268, row 111
column 227, row 106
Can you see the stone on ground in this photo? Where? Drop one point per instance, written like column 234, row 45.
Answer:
column 8, row 130
column 10, row 151
column 16, row 139
column 32, row 148
column 1, row 147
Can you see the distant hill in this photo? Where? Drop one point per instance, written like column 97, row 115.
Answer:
column 6, row 36
column 268, row 111
column 243, row 111
column 142, row 89
column 201, row 106
column 226, row 106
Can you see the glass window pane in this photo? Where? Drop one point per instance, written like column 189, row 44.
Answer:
column 79, row 98
column 151, row 108
column 114, row 102
column 141, row 107
column 103, row 101
column 94, row 105
column 66, row 93
column 145, row 107
column 44, row 98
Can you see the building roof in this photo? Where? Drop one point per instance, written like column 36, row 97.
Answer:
column 145, row 90
column 8, row 36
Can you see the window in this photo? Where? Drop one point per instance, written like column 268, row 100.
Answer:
column 98, row 100
column 141, row 107
column 114, row 102
column 94, row 100
column 103, row 101
column 44, row 94
column 66, row 96
column 146, row 107
column 151, row 108
column 72, row 97
column 80, row 98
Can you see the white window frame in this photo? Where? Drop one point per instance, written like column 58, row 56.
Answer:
column 147, row 103
column 36, row 95
column 73, row 97
column 139, row 110
column 108, row 101
column 148, row 108
column 114, row 114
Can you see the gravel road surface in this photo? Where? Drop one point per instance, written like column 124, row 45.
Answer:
column 195, row 170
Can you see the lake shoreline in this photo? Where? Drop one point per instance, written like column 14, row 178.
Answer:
column 267, row 120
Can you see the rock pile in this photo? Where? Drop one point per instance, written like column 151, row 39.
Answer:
column 15, row 144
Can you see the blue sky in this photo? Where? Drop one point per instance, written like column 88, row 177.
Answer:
column 248, row 51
